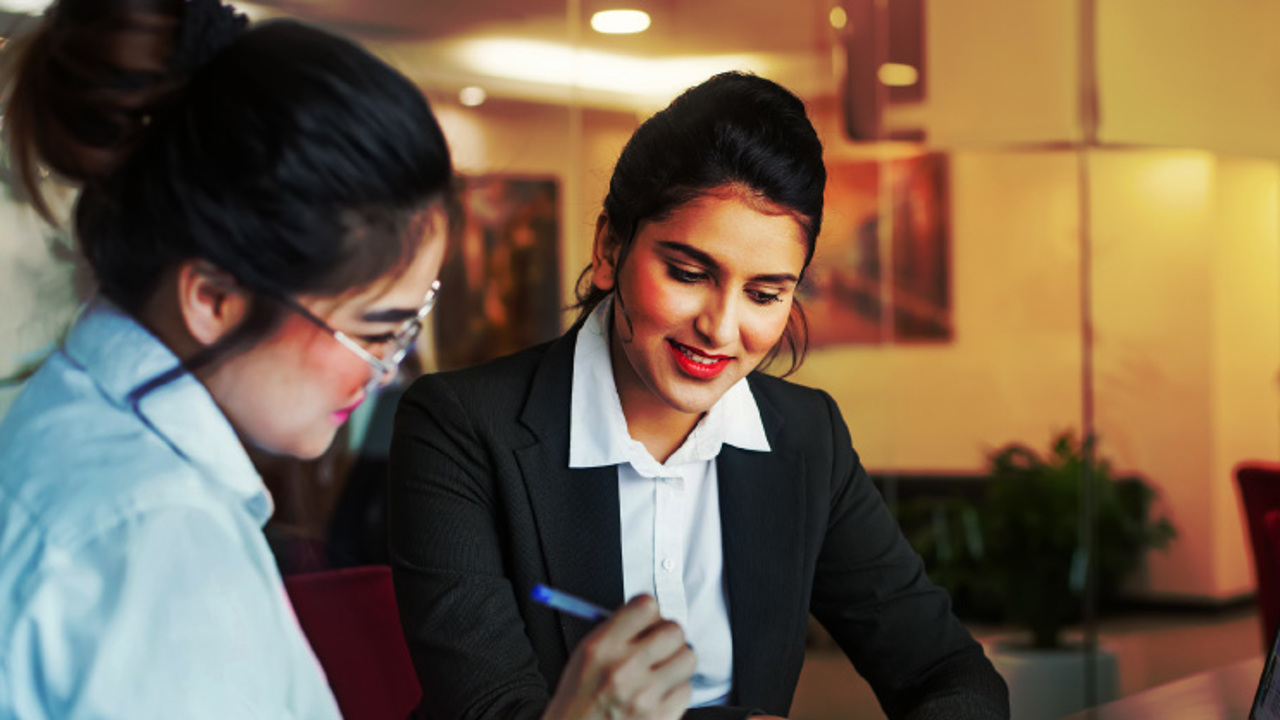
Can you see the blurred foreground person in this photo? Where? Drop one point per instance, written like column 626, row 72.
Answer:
column 264, row 212
column 645, row 453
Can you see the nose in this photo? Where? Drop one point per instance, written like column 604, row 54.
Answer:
column 717, row 322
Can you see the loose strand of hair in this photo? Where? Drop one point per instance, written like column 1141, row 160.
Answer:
column 21, row 78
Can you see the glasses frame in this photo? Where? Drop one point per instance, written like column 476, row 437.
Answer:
column 404, row 338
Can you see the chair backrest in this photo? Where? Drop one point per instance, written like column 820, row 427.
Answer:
column 351, row 620
column 1259, row 484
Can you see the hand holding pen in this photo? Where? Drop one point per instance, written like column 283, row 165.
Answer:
column 633, row 665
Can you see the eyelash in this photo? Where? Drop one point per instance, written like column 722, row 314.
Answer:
column 688, row 277
column 381, row 339
column 764, row 298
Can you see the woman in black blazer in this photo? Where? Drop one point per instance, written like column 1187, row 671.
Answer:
column 644, row 453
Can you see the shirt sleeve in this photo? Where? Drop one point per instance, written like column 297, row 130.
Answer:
column 165, row 614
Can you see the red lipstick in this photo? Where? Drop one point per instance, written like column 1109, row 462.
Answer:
column 693, row 368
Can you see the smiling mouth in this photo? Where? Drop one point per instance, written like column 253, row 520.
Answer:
column 697, row 364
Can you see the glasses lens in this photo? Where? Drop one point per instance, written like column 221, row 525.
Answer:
column 404, row 340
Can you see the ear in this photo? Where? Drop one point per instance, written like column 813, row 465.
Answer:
column 604, row 255
column 211, row 301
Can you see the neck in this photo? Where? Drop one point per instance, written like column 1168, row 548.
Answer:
column 660, row 437
column 661, row 428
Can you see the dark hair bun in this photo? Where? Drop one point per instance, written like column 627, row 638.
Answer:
column 208, row 26
column 94, row 75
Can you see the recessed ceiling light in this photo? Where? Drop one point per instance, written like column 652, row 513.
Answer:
column 620, row 22
column 839, row 18
column 898, row 75
column 472, row 96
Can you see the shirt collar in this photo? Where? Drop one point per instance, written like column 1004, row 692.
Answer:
column 598, row 434
column 120, row 355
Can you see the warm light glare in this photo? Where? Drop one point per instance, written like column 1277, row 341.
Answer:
column 898, row 75
column 30, row 7
column 472, row 96
column 620, row 22
column 839, row 18
column 555, row 64
column 1182, row 180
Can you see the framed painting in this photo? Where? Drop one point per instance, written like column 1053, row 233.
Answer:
column 882, row 270
column 500, row 283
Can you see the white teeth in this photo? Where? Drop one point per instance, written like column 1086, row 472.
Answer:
column 700, row 359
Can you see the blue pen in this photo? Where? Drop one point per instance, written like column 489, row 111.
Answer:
column 572, row 605
column 566, row 603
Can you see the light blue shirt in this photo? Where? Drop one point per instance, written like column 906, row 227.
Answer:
column 135, row 581
column 670, row 511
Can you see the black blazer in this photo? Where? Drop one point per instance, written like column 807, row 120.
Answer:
column 483, row 505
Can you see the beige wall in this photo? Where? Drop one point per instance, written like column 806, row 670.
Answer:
column 1246, row 346
column 1190, row 73
column 1013, row 369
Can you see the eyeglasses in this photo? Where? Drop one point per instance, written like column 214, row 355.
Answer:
column 396, row 345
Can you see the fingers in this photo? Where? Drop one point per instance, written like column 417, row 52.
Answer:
column 650, row 703
column 634, row 666
column 631, row 619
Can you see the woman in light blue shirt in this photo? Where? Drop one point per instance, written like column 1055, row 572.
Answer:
column 265, row 211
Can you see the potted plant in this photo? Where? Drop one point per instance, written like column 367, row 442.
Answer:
column 1016, row 555
column 1034, row 565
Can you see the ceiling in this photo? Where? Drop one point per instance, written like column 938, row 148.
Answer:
column 545, row 50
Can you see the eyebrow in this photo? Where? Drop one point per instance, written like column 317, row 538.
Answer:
column 710, row 263
column 389, row 315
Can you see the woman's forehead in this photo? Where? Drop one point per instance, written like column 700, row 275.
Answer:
column 731, row 227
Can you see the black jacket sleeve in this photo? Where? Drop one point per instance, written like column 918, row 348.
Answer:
column 457, row 605
column 871, row 593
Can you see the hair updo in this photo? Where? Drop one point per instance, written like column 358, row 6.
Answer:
column 733, row 129
column 288, row 157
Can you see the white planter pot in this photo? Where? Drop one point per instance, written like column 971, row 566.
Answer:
column 1049, row 684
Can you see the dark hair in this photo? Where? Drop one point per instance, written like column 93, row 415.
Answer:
column 733, row 129
column 288, row 157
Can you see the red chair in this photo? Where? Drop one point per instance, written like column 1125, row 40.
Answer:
column 1260, row 492
column 351, row 620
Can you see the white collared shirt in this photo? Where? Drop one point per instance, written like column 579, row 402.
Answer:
column 670, row 512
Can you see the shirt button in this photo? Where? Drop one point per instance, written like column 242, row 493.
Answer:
column 668, row 564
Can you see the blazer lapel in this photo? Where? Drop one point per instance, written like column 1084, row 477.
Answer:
column 761, row 507
column 575, row 510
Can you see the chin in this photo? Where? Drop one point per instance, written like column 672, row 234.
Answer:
column 315, row 448
column 694, row 401
column 301, row 448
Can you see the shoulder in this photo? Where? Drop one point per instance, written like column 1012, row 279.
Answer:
column 790, row 398
column 72, row 462
column 497, row 389
column 803, row 418
column 501, row 377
